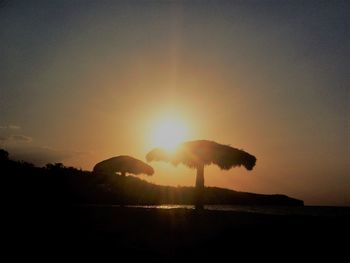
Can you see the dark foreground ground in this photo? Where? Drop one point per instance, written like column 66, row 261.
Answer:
column 170, row 234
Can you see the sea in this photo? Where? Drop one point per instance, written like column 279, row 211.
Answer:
column 332, row 211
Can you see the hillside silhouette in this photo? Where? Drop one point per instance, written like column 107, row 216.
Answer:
column 58, row 184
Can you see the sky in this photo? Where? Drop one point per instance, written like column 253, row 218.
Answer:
column 82, row 81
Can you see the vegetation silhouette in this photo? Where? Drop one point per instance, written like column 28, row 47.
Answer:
column 61, row 185
column 197, row 154
column 4, row 155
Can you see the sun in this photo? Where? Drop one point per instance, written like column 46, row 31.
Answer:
column 168, row 133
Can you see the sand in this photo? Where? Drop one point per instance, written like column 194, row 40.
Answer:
column 173, row 234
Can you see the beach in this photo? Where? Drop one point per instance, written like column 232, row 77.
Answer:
column 174, row 234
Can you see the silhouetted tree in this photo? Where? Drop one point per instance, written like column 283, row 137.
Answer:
column 55, row 166
column 4, row 155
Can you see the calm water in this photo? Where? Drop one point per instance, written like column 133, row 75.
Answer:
column 274, row 210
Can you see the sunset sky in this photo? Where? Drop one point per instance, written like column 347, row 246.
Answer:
column 82, row 81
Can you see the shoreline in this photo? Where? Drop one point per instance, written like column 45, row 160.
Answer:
column 311, row 210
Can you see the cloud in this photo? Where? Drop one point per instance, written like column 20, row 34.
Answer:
column 22, row 148
column 38, row 155
column 9, row 134
column 10, row 127
column 20, row 138
column 14, row 127
column 16, row 138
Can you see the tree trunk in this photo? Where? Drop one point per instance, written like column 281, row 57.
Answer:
column 199, row 187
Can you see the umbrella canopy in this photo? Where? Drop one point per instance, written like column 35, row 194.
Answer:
column 123, row 164
column 203, row 152
column 197, row 154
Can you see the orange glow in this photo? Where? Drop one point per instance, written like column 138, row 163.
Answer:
column 168, row 132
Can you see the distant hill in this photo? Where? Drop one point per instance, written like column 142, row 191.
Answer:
column 56, row 184
column 138, row 191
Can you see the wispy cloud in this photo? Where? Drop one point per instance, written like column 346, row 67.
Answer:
column 10, row 127
column 20, row 138
column 21, row 147
column 11, row 134
column 39, row 155
column 16, row 138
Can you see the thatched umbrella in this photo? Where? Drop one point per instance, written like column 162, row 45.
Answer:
column 197, row 154
column 123, row 164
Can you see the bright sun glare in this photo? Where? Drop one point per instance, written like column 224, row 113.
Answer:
column 169, row 133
